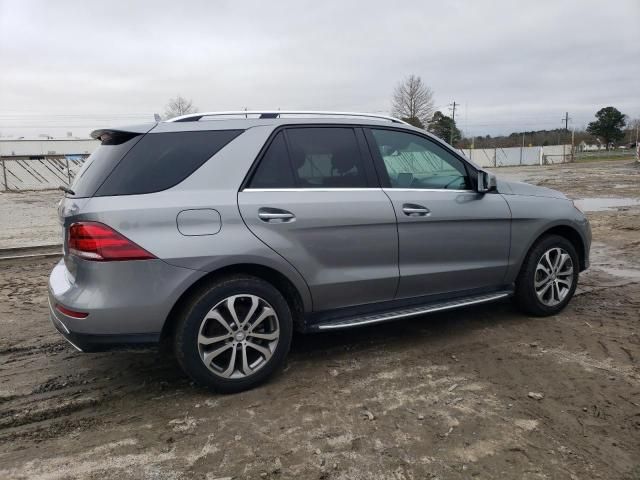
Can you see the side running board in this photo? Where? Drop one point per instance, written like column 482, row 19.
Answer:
column 373, row 318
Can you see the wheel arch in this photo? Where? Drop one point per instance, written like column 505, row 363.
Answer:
column 570, row 233
column 279, row 280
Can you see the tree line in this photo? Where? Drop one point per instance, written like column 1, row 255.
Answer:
column 412, row 102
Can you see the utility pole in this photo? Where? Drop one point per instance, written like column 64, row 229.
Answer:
column 453, row 117
column 566, row 127
column 637, row 146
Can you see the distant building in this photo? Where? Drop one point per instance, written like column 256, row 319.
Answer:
column 51, row 148
column 594, row 147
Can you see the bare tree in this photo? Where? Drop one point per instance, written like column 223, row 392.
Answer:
column 179, row 106
column 413, row 101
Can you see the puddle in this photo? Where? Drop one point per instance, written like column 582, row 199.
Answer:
column 597, row 204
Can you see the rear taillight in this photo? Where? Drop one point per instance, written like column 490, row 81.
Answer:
column 98, row 242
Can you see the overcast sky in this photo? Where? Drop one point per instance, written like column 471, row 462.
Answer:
column 512, row 65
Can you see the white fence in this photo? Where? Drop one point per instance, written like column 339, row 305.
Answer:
column 47, row 173
column 39, row 174
column 508, row 157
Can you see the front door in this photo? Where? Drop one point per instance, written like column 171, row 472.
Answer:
column 452, row 238
column 313, row 199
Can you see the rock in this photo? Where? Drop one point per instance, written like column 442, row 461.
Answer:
column 535, row 395
column 420, row 417
column 317, row 451
column 368, row 415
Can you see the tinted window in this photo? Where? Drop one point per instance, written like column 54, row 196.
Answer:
column 100, row 163
column 274, row 170
column 326, row 157
column 413, row 161
column 161, row 160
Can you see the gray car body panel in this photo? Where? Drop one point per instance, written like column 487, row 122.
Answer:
column 345, row 247
column 462, row 244
column 344, row 242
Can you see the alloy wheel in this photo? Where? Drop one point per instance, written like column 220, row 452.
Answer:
column 554, row 276
column 238, row 336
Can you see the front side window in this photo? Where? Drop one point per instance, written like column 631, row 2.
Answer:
column 415, row 162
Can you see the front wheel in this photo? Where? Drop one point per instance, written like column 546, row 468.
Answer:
column 548, row 277
column 234, row 334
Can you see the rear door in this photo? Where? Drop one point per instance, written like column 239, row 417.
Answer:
column 313, row 198
column 452, row 238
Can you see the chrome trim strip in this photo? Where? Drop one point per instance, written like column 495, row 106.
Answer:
column 53, row 317
column 72, row 344
column 442, row 190
column 413, row 314
column 278, row 113
column 311, row 189
column 356, row 190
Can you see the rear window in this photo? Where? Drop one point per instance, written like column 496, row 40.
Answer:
column 100, row 163
column 161, row 160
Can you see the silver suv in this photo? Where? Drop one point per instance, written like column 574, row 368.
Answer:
column 221, row 233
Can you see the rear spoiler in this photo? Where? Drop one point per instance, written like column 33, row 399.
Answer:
column 103, row 134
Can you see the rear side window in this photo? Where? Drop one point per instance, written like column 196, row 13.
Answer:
column 274, row 170
column 326, row 157
column 161, row 160
column 312, row 157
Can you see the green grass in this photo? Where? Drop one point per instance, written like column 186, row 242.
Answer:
column 605, row 158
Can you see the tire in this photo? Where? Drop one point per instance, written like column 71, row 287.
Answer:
column 531, row 279
column 239, row 361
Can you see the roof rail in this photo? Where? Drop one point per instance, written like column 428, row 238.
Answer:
column 194, row 117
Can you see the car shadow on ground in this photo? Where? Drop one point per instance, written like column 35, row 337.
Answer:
column 153, row 366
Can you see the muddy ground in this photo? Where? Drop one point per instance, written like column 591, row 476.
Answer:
column 444, row 396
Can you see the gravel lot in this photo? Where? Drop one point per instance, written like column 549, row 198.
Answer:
column 29, row 218
column 478, row 393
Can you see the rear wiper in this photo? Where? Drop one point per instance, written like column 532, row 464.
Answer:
column 66, row 190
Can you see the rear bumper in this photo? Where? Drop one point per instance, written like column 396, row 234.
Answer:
column 127, row 302
column 84, row 342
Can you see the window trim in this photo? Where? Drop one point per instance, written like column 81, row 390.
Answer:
column 381, row 169
column 371, row 176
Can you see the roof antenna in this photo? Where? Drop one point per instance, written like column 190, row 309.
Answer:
column 156, row 117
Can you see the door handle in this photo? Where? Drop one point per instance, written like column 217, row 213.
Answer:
column 275, row 215
column 413, row 210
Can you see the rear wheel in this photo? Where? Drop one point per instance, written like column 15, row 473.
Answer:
column 234, row 334
column 548, row 277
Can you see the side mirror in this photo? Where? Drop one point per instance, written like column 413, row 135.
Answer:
column 486, row 181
